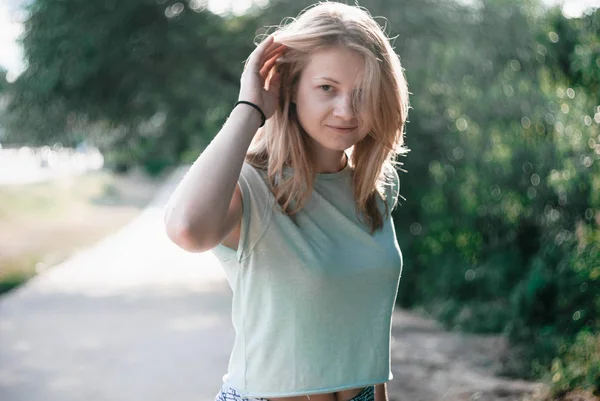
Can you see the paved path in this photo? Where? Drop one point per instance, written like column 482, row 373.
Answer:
column 137, row 319
column 134, row 319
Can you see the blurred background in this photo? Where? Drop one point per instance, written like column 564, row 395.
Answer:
column 499, row 221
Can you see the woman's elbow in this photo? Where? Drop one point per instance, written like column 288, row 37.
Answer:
column 188, row 240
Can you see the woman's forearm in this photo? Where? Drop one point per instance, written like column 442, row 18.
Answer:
column 200, row 202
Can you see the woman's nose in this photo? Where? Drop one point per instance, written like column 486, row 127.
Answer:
column 343, row 108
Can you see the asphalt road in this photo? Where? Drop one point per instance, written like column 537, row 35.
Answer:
column 133, row 318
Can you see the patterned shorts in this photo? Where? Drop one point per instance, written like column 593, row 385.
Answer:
column 228, row 393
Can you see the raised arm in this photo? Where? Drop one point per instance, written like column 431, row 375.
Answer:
column 206, row 206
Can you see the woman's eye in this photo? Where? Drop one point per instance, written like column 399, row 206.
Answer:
column 326, row 88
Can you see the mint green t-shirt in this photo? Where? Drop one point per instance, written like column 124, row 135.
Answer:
column 313, row 295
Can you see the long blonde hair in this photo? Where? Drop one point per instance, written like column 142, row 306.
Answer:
column 282, row 141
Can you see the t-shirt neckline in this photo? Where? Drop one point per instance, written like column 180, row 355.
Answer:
column 333, row 176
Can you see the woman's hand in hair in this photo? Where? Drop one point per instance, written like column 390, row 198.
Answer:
column 260, row 80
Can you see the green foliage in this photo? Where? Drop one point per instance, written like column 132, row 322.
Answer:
column 3, row 81
column 577, row 367
column 10, row 282
column 146, row 74
column 505, row 128
column 558, row 299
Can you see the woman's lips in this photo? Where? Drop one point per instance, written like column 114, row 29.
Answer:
column 342, row 129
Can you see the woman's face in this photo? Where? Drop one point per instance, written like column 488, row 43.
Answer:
column 324, row 99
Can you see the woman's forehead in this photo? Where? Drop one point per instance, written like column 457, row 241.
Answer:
column 336, row 64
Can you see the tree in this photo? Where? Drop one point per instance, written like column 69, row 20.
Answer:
column 158, row 77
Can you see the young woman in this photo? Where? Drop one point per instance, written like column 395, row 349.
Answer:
column 294, row 196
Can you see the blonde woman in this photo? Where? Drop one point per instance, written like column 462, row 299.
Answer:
column 294, row 197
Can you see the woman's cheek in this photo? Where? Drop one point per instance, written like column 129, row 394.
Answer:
column 319, row 106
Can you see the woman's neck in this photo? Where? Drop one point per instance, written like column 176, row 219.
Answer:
column 330, row 164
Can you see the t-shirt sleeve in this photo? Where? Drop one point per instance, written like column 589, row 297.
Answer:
column 257, row 207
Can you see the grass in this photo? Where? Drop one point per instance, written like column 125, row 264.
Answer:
column 43, row 224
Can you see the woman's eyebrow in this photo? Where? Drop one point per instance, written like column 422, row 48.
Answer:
column 328, row 79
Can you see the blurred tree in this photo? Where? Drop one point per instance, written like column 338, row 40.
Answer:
column 3, row 81
column 159, row 76
column 507, row 133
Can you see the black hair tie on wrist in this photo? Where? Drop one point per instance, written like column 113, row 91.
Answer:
column 262, row 115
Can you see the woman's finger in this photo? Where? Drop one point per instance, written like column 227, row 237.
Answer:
column 268, row 64
column 269, row 54
column 273, row 50
column 274, row 82
column 264, row 71
column 254, row 61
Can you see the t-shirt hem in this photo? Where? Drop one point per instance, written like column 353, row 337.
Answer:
column 310, row 392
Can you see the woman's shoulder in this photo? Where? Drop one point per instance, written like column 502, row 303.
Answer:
column 253, row 174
